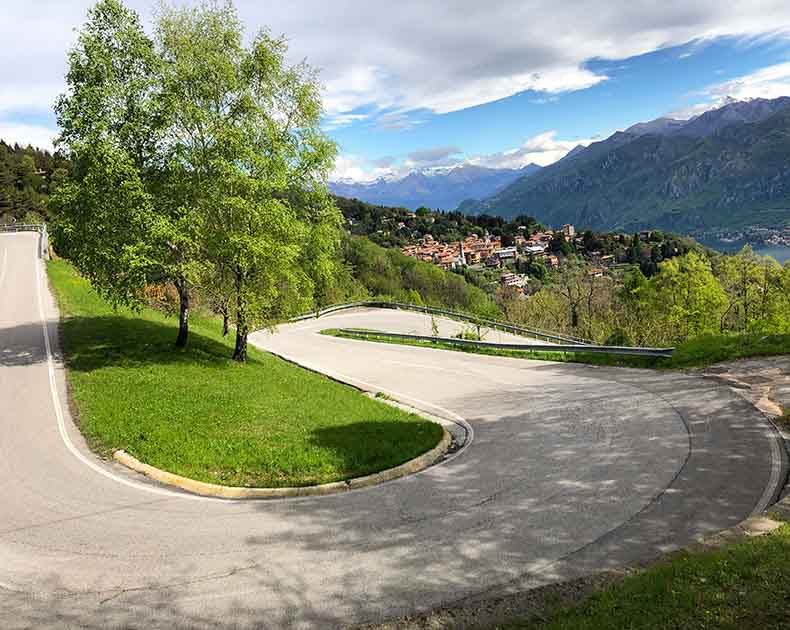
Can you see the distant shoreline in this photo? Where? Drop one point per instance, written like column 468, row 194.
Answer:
column 781, row 253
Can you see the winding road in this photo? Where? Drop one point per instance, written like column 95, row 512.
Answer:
column 567, row 469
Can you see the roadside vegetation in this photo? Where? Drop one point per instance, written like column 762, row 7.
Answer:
column 27, row 177
column 692, row 296
column 395, row 227
column 199, row 162
column 389, row 274
column 195, row 412
column 697, row 352
column 745, row 586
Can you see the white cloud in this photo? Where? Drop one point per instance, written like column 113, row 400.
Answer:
column 431, row 156
column 341, row 120
column 452, row 54
column 35, row 135
column 543, row 149
column 397, row 121
column 769, row 82
column 20, row 96
column 413, row 55
column 360, row 169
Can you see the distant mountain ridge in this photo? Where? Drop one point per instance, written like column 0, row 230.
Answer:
column 434, row 188
column 727, row 167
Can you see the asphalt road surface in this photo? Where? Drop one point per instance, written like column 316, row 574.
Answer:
column 570, row 468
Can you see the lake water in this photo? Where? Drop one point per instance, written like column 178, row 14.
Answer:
column 779, row 252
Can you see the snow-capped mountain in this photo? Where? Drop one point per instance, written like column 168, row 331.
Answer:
column 438, row 188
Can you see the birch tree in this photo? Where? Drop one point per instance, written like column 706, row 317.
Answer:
column 246, row 142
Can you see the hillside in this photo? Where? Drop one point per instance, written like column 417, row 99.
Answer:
column 394, row 227
column 26, row 177
column 443, row 189
column 724, row 169
column 377, row 272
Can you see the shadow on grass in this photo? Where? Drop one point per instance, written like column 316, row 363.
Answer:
column 91, row 343
column 364, row 447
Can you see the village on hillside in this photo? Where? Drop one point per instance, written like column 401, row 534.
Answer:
column 488, row 252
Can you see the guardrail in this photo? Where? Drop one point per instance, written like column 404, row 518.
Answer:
column 484, row 323
column 586, row 348
column 41, row 228
column 21, row 227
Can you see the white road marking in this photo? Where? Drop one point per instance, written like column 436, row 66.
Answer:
column 3, row 267
column 56, row 402
column 774, row 481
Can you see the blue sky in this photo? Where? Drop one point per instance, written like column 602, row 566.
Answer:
column 415, row 84
column 678, row 81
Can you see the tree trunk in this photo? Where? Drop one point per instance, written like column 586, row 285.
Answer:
column 240, row 352
column 242, row 328
column 574, row 317
column 182, row 286
column 225, row 318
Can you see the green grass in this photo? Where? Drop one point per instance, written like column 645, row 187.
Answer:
column 716, row 348
column 745, row 586
column 568, row 357
column 199, row 414
column 694, row 353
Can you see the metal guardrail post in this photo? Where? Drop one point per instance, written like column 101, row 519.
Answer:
column 578, row 348
column 488, row 323
column 31, row 227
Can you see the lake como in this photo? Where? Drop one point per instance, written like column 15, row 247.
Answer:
column 781, row 253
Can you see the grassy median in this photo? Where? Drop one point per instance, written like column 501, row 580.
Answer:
column 745, row 586
column 698, row 352
column 197, row 413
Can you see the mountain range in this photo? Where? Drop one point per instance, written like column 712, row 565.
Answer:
column 728, row 167
column 441, row 188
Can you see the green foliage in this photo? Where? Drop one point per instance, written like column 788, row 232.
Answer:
column 27, row 177
column 117, row 218
column 382, row 224
column 709, row 349
column 757, row 299
column 471, row 333
column 739, row 587
column 254, row 162
column 533, row 267
column 558, row 245
column 689, row 297
column 388, row 273
column 197, row 161
column 103, row 225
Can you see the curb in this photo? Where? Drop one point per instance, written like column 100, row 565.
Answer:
column 237, row 492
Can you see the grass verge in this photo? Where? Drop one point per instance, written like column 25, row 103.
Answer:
column 694, row 353
column 745, row 586
column 197, row 413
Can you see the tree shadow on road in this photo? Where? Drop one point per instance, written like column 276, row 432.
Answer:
column 533, row 500
column 92, row 343
column 22, row 345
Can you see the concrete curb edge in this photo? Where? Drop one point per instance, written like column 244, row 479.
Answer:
column 236, row 492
